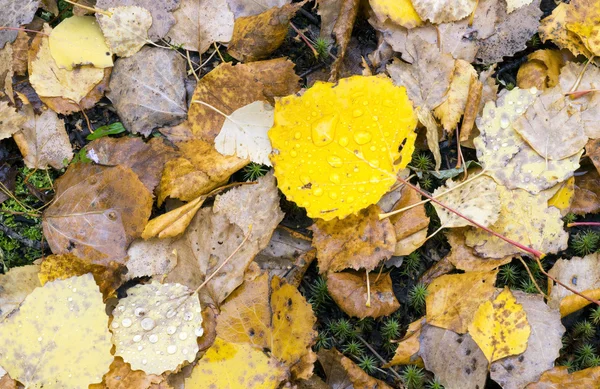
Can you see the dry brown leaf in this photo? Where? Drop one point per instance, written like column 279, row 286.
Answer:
column 560, row 378
column 97, row 212
column 408, row 346
column 471, row 112
column 456, row 360
column 6, row 382
column 453, row 299
column 592, row 150
column 199, row 24
column 342, row 32
column 582, row 18
column 342, row 373
column 358, row 241
column 229, row 87
column 147, row 89
column 43, row 140
column 450, row 111
column 349, row 291
column 412, row 220
column 198, row 170
column 16, row 284
column 121, row 376
column 541, row 69
column 465, row 258
column 554, row 28
column 256, row 37
column 20, row 49
column 287, row 255
column 146, row 159
column 587, row 193
column 6, row 71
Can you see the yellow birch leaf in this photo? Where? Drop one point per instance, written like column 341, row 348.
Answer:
column 173, row 223
column 228, row 365
column 564, row 197
column 58, row 338
column 400, row 12
column 453, row 299
column 553, row 28
column 500, row 328
column 583, row 18
column 335, row 148
column 126, row 31
column 450, row 111
column 78, row 40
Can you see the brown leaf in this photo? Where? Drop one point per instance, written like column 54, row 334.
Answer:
column 342, row 373
column 450, row 111
column 7, row 383
column 560, row 378
column 287, row 255
column 15, row 285
column 342, row 32
column 592, row 150
column 120, row 376
column 412, row 220
column 554, row 28
column 465, row 258
column 471, row 110
column 256, row 37
column 408, row 346
column 209, row 324
column 587, row 193
column 146, row 159
column 358, row 241
column 229, row 87
column 349, row 291
column 198, row 170
column 20, row 48
column 147, row 89
column 97, row 212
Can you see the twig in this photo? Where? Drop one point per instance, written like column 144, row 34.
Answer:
column 22, row 29
column 577, row 224
column 25, row 241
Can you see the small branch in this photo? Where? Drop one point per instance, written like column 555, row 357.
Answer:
column 22, row 29
column 25, row 241
column 577, row 224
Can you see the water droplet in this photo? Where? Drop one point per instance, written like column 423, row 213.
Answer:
column 144, row 361
column 70, row 299
column 298, row 135
column 350, row 199
column 361, row 189
column 323, row 130
column 362, row 137
column 334, row 161
column 139, row 312
column 183, row 335
column 504, row 121
column 171, row 313
column 148, row 324
column 188, row 316
column 317, row 192
column 137, row 338
column 172, row 349
column 171, row 330
column 74, row 289
column 304, row 179
column 199, row 331
column 153, row 338
column 335, row 178
column 40, row 339
column 343, row 141
column 140, row 348
column 372, row 148
column 533, row 90
column 357, row 113
column 519, row 110
column 333, row 195
column 375, row 180
column 293, row 153
column 126, row 323
column 388, row 103
column 184, row 351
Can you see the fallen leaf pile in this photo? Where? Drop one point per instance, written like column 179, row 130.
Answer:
column 299, row 194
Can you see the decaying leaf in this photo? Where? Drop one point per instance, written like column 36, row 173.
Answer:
column 287, row 256
column 445, row 10
column 341, row 372
column 450, row 111
column 148, row 258
column 49, row 80
column 12, row 120
column 162, row 17
column 174, row 222
column 155, row 327
column 543, row 345
column 148, row 91
column 241, row 8
column 500, row 327
column 43, row 140
column 349, row 291
column 197, row 170
column 524, row 218
column 126, row 30
column 465, row 258
column 60, row 267
column 400, row 12
column 580, row 274
column 226, row 362
column 199, row 24
column 244, row 133
column 256, row 37
column 323, row 166
column 97, row 212
column 347, row 10
column 455, row 359
column 228, row 88
column 541, row 70
column 585, row 105
column 506, row 156
column 477, row 199
column 582, row 18
column 408, row 346
column 592, row 150
column 587, row 193
column 58, row 326
column 121, row 376
column 282, row 323
column 453, row 299
column 15, row 14
column 358, row 242
column 78, row 40
column 16, row 284
column 411, row 221
column 559, row 378
column 553, row 28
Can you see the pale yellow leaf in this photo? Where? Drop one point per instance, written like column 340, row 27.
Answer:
column 126, row 31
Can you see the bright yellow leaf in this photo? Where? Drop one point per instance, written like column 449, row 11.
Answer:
column 400, row 12
column 58, row 339
column 78, row 40
column 335, row 148
column 453, row 299
column 563, row 198
column 500, row 328
column 583, row 18
column 228, row 365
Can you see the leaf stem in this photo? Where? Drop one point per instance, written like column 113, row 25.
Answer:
column 577, row 224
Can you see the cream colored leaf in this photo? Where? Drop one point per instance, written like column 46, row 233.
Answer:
column 506, row 156
column 512, row 5
column 450, row 111
column 58, row 338
column 253, row 7
column 16, row 284
column 12, row 120
column 524, row 218
column 244, row 133
column 587, row 105
column 441, row 11
column 477, row 200
column 148, row 258
column 43, row 140
column 155, row 327
column 126, row 31
column 78, row 40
